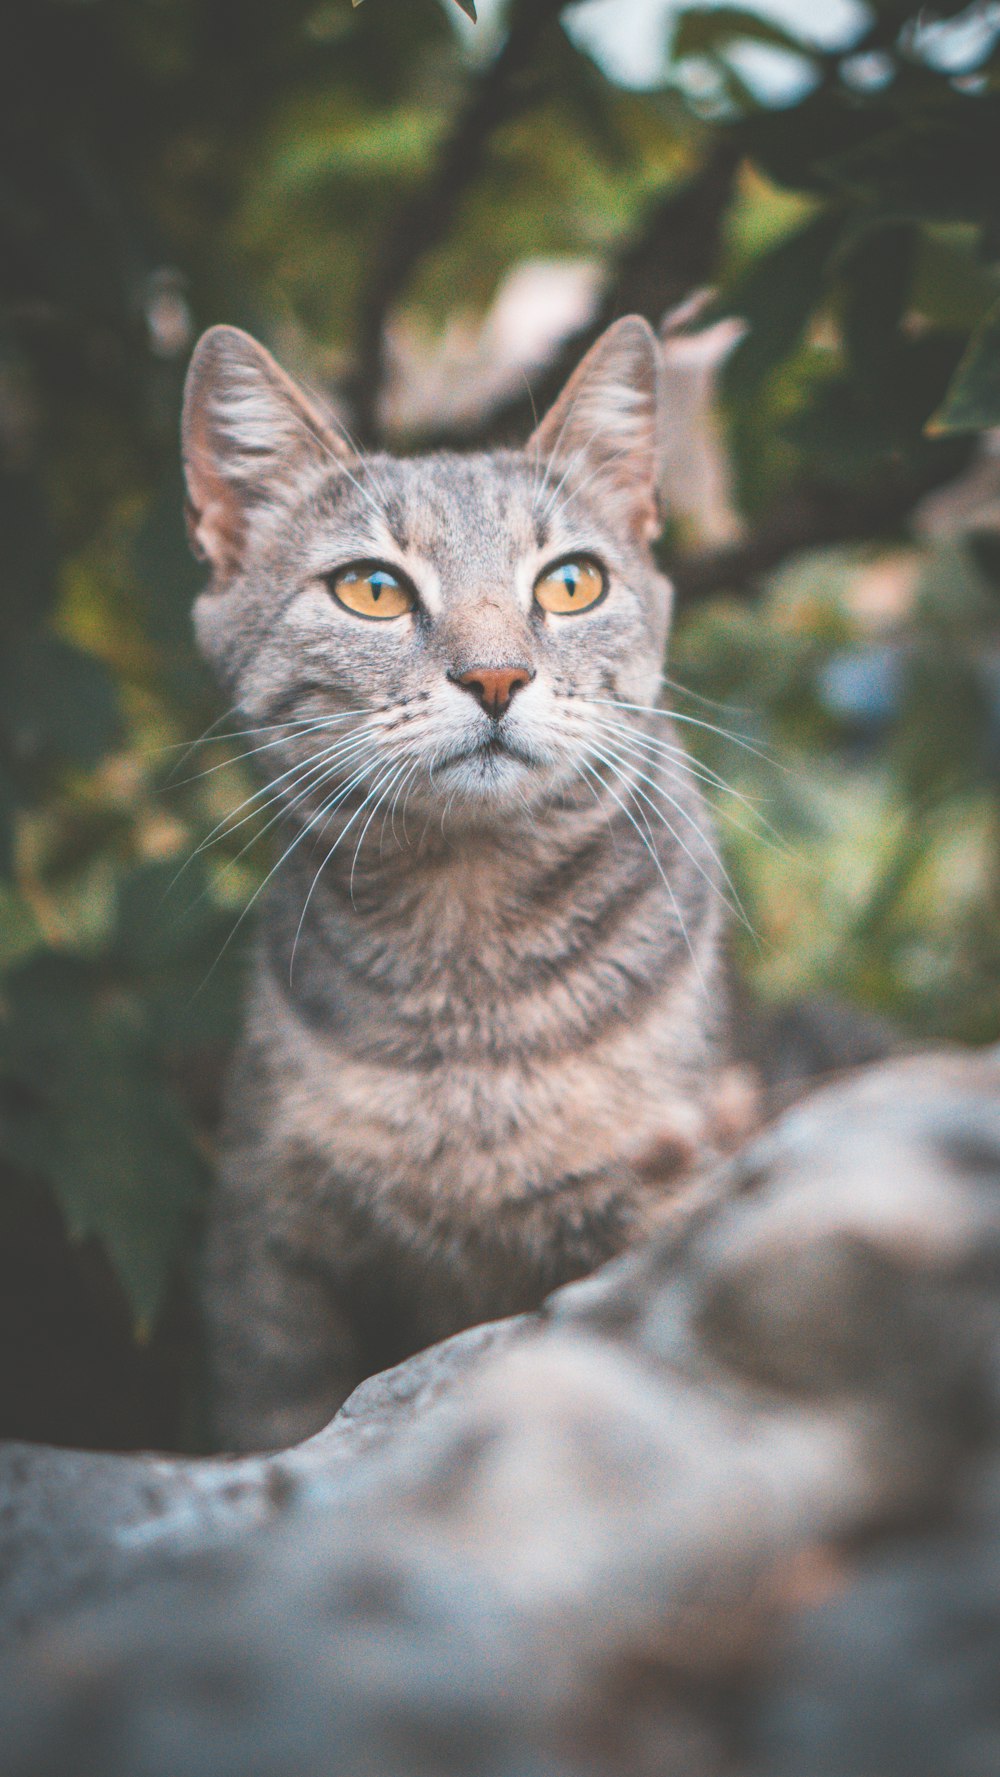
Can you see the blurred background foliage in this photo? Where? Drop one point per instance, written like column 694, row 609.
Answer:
column 420, row 211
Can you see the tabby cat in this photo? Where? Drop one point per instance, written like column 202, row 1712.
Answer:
column 481, row 1038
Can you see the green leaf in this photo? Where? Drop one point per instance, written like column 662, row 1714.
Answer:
column 83, row 1107
column 8, row 810
column 704, row 30
column 467, row 6
column 56, row 701
column 926, row 168
column 27, row 562
column 972, row 403
column 777, row 297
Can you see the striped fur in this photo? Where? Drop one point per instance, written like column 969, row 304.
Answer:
column 480, row 1044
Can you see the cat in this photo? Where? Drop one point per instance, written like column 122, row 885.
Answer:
column 486, row 1001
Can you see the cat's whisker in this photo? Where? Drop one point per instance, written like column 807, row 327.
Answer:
column 536, row 482
column 645, row 709
column 228, row 824
column 317, row 726
column 317, row 773
column 554, row 452
column 552, row 511
column 680, row 764
column 736, row 906
column 352, row 444
column 337, row 461
column 391, row 813
column 319, row 759
column 711, row 703
column 400, row 773
column 209, row 739
column 186, row 747
column 329, row 766
column 323, row 812
column 312, row 887
column 651, row 848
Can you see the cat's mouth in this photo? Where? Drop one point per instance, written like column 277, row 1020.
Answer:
column 494, row 747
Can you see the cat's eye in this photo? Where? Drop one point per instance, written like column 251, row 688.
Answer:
column 370, row 590
column 570, row 586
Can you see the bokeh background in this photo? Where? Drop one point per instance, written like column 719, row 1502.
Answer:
column 427, row 214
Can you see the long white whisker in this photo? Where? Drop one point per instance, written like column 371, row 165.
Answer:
column 736, row 904
column 316, row 727
column 551, row 511
column 679, row 763
column 351, row 442
column 209, row 739
column 320, row 759
column 329, row 765
column 312, row 887
column 647, row 842
column 390, row 814
column 711, row 703
column 322, row 811
column 400, row 773
column 318, row 775
column 338, row 462
column 644, row 709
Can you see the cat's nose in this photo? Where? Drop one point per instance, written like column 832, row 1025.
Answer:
column 494, row 686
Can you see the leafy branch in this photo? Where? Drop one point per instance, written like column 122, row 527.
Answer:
column 466, row 6
column 499, row 93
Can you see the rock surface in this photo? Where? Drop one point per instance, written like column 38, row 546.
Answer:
column 732, row 1506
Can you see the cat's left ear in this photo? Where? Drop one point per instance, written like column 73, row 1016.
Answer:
column 604, row 428
column 251, row 439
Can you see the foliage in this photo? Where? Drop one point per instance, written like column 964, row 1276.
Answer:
column 170, row 165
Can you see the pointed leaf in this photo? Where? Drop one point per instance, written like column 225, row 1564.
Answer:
column 84, row 1107
column 777, row 297
column 972, row 403
column 467, row 6
column 704, row 30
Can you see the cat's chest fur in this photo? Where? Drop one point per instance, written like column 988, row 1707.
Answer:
column 457, row 1039
column 482, row 1021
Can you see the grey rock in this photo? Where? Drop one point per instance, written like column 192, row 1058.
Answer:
column 71, row 1519
column 703, row 1517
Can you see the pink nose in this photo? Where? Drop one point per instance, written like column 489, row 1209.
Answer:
column 494, row 686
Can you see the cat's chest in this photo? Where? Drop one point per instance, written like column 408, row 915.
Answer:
column 484, row 1124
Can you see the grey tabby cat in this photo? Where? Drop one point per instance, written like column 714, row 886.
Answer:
column 481, row 1037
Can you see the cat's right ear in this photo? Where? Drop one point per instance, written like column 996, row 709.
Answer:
column 250, row 437
column 605, row 425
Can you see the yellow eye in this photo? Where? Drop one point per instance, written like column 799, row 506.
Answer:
column 570, row 586
column 371, row 592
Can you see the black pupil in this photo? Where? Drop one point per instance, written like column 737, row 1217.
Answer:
column 378, row 582
column 571, row 579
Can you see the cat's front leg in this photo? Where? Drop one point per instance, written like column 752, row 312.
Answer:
column 282, row 1354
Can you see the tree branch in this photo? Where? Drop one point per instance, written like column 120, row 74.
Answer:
column 813, row 517
column 495, row 96
column 675, row 251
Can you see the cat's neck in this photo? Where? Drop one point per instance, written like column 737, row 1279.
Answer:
column 448, row 929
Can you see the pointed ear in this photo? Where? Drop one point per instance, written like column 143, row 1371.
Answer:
column 604, row 426
column 250, row 437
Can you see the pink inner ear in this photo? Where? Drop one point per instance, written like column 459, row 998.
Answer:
column 216, row 529
column 251, row 439
column 603, row 428
column 214, row 508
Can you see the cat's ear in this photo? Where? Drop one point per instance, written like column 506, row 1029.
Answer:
column 605, row 425
column 250, row 437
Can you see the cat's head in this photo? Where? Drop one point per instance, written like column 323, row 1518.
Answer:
column 459, row 624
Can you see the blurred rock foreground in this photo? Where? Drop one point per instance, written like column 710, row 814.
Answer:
column 730, row 1506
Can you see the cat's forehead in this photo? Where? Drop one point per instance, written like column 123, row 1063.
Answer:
column 464, row 511
column 470, row 515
